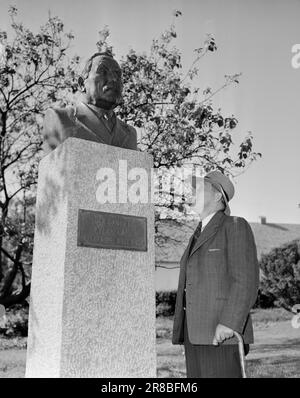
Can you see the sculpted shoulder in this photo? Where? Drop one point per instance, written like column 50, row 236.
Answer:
column 130, row 129
column 61, row 123
column 131, row 139
column 61, row 115
column 57, row 123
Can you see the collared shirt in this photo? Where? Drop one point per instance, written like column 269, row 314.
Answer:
column 206, row 220
column 202, row 224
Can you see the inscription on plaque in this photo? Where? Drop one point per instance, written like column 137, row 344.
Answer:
column 100, row 229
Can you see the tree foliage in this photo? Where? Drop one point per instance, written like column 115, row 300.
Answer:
column 33, row 75
column 178, row 123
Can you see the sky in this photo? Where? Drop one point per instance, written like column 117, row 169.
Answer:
column 253, row 37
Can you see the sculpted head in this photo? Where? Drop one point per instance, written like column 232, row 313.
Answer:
column 101, row 81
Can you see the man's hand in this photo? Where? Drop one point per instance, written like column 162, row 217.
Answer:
column 222, row 333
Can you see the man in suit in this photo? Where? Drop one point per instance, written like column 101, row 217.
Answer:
column 94, row 118
column 218, row 284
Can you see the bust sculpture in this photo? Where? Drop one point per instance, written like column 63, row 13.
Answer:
column 94, row 118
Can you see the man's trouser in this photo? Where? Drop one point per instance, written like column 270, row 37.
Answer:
column 206, row 361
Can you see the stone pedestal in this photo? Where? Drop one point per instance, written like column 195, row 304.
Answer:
column 92, row 309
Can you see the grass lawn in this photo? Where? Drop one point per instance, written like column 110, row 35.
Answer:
column 276, row 352
column 12, row 357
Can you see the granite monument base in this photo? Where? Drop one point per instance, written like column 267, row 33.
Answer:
column 92, row 304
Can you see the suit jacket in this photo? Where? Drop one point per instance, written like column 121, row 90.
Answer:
column 81, row 122
column 221, row 276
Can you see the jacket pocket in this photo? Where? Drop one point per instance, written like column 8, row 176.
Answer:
column 214, row 261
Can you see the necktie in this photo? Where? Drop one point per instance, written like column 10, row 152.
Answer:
column 196, row 235
column 106, row 117
column 108, row 121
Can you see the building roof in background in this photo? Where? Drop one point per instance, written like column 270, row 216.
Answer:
column 175, row 237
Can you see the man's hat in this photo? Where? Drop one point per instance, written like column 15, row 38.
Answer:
column 223, row 184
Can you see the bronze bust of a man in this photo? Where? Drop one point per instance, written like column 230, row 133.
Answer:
column 93, row 119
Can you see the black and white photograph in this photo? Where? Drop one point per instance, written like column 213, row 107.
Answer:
column 149, row 191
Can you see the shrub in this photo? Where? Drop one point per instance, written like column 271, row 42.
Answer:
column 280, row 279
column 165, row 303
column 264, row 300
column 15, row 322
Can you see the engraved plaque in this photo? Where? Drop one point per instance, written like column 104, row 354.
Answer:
column 100, row 229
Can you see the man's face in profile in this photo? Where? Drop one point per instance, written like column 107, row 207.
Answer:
column 204, row 196
column 104, row 82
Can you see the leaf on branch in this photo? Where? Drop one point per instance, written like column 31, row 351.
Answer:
column 210, row 43
column 177, row 13
column 13, row 11
column 207, row 91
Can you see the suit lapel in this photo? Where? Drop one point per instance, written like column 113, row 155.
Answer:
column 92, row 123
column 118, row 134
column 186, row 252
column 210, row 230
